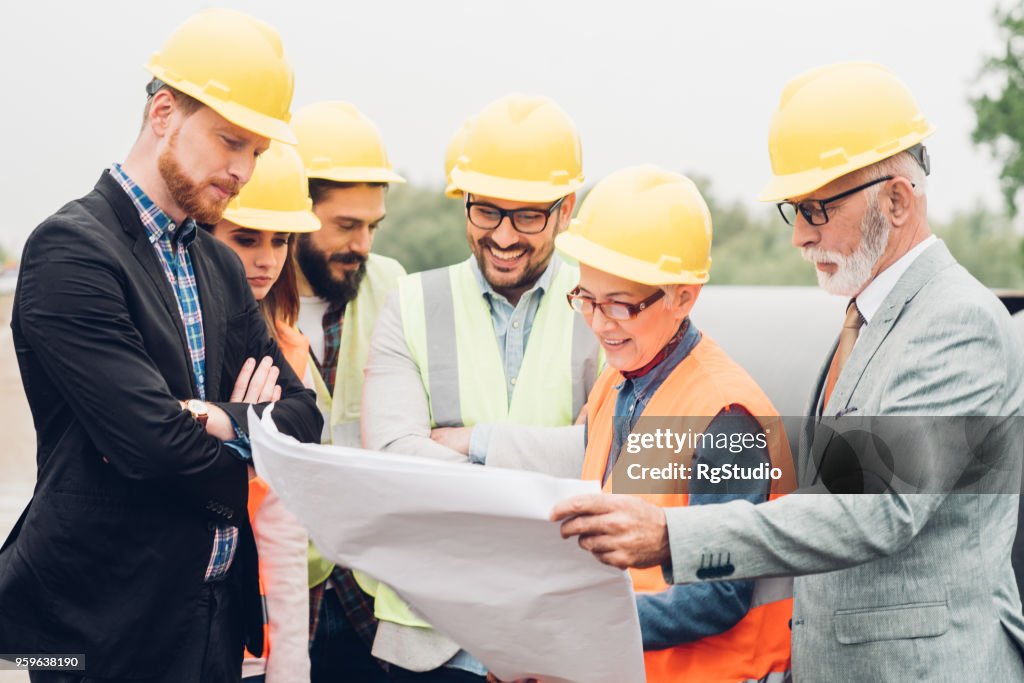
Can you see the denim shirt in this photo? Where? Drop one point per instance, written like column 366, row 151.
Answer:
column 512, row 327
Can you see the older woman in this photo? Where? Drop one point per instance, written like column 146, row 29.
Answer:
column 671, row 400
column 259, row 225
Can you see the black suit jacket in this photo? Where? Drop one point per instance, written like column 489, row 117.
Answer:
column 109, row 556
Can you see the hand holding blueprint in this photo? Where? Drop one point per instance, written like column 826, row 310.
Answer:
column 470, row 549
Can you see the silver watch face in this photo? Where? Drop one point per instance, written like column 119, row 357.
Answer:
column 197, row 407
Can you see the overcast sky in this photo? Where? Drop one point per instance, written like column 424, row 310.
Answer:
column 686, row 85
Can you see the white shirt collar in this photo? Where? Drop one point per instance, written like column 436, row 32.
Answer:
column 871, row 299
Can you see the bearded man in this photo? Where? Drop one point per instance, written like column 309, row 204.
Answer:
column 137, row 336
column 483, row 362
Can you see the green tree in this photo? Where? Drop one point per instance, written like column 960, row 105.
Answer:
column 985, row 243
column 424, row 229
column 751, row 244
column 1000, row 111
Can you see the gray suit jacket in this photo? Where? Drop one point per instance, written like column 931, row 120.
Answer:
column 894, row 587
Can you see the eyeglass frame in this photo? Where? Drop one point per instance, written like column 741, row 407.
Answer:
column 510, row 213
column 633, row 309
column 828, row 200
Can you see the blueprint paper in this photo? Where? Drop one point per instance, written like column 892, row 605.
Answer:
column 471, row 549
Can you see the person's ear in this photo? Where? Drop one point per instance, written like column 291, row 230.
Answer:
column 161, row 110
column 899, row 200
column 565, row 211
column 682, row 300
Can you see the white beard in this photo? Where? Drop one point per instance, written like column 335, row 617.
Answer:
column 854, row 270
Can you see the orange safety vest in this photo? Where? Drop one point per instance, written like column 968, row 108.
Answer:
column 295, row 348
column 704, row 382
column 257, row 492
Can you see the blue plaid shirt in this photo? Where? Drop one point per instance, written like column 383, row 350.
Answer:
column 177, row 266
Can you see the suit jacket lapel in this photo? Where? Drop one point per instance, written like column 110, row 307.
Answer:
column 144, row 253
column 934, row 259
column 871, row 337
column 811, row 448
column 214, row 323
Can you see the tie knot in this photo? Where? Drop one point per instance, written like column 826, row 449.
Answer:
column 854, row 320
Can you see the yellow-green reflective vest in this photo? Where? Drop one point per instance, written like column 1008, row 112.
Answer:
column 450, row 335
column 341, row 406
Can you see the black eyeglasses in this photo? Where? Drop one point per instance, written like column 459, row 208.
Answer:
column 616, row 310
column 815, row 211
column 526, row 221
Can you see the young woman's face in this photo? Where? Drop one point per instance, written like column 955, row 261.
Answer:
column 263, row 253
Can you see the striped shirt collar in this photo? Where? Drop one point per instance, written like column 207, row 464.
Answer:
column 158, row 224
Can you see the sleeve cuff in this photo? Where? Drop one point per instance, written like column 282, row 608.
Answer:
column 479, row 439
column 240, row 444
column 668, row 567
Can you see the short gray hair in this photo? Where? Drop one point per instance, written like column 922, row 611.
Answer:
column 902, row 164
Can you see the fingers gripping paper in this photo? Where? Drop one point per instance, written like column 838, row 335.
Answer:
column 470, row 549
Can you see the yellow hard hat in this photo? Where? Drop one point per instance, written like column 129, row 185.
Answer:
column 235, row 65
column 276, row 198
column 836, row 119
column 643, row 224
column 451, row 157
column 338, row 143
column 521, row 148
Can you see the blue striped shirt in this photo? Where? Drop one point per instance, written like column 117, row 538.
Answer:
column 171, row 242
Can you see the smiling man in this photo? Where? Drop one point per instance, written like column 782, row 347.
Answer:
column 914, row 583
column 486, row 341
column 135, row 550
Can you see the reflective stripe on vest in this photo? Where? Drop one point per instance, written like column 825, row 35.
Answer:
column 466, row 384
column 705, row 382
column 450, row 336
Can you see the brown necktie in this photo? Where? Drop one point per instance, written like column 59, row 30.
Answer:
column 847, row 338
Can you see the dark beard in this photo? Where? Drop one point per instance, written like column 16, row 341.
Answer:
column 317, row 271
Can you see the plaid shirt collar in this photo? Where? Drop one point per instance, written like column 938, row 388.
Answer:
column 158, row 224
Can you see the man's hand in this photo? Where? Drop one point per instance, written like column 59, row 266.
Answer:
column 257, row 383
column 455, row 438
column 619, row 530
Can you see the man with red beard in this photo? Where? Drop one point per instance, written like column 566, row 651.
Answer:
column 138, row 340
column 464, row 358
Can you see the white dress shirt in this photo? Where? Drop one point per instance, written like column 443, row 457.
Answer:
column 871, row 299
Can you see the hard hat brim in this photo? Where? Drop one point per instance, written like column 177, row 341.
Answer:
column 249, row 119
column 452, row 192
column 273, row 221
column 583, row 250
column 355, row 174
column 471, row 182
column 793, row 185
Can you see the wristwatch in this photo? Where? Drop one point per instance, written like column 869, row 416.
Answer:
column 200, row 411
